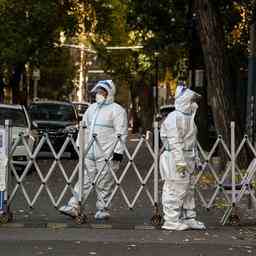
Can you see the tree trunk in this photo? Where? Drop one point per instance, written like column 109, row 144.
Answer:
column 134, row 116
column 2, row 85
column 220, row 92
column 15, row 82
column 196, row 61
column 146, row 99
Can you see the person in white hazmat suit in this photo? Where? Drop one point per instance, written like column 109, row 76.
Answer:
column 107, row 119
column 178, row 161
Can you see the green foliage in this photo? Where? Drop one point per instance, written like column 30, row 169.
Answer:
column 165, row 19
column 29, row 32
column 29, row 29
column 57, row 72
column 171, row 24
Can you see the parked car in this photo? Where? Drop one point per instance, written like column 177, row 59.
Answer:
column 20, row 123
column 58, row 119
column 81, row 107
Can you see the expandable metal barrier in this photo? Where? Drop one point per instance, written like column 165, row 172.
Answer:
column 232, row 192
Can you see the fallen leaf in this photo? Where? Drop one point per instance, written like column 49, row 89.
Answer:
column 199, row 239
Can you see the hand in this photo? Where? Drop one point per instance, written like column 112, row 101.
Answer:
column 117, row 157
column 198, row 164
column 115, row 165
column 181, row 170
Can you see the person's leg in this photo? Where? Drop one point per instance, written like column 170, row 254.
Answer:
column 172, row 199
column 72, row 207
column 189, row 212
column 189, row 203
column 104, row 188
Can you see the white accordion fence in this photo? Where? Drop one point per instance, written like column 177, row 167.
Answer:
column 231, row 183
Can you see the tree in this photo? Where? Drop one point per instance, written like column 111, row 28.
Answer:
column 115, row 23
column 57, row 71
column 29, row 30
column 222, row 29
column 215, row 36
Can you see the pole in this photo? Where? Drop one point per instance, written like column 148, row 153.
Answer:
column 233, row 163
column 81, row 161
column 251, row 91
column 156, row 83
column 36, row 78
column 35, row 89
column 80, row 93
column 156, row 165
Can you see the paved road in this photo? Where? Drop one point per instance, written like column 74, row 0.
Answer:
column 76, row 242
column 62, row 248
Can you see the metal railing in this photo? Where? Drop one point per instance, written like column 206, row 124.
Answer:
column 232, row 193
column 80, row 170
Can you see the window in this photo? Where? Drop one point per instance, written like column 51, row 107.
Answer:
column 17, row 117
column 52, row 112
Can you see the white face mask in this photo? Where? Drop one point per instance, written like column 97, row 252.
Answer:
column 100, row 98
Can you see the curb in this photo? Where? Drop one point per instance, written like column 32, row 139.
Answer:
column 59, row 225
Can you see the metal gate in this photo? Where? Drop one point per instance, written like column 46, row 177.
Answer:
column 80, row 169
column 232, row 184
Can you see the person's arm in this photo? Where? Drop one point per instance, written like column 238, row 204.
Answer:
column 175, row 138
column 178, row 142
column 120, row 123
column 198, row 163
column 84, row 121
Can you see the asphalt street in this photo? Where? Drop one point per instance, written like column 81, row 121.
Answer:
column 76, row 248
column 76, row 242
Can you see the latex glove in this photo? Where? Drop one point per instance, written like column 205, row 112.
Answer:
column 116, row 160
column 115, row 165
column 181, row 170
column 198, row 164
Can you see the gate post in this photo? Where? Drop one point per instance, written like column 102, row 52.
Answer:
column 81, row 218
column 5, row 144
column 156, row 219
column 234, row 217
column 233, row 163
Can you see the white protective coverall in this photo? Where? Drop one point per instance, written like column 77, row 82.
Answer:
column 177, row 163
column 107, row 120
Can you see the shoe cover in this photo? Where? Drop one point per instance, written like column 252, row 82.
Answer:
column 179, row 226
column 69, row 210
column 100, row 215
column 194, row 224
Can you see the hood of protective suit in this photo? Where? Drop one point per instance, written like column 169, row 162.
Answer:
column 185, row 99
column 109, row 86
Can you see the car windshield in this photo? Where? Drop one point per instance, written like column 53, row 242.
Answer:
column 17, row 117
column 52, row 112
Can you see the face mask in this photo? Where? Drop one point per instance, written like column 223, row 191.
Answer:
column 100, row 98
